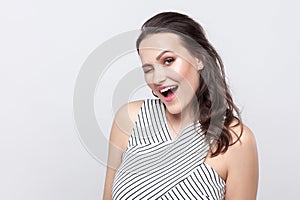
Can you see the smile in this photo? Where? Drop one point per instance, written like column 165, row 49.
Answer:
column 168, row 92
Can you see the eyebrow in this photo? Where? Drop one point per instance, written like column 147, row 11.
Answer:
column 158, row 57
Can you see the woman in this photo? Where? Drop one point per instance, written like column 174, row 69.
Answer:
column 190, row 142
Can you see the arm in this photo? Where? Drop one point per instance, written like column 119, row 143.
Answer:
column 242, row 167
column 119, row 135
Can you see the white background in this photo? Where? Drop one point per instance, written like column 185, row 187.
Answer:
column 44, row 43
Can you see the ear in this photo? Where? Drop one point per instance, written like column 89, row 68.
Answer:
column 199, row 64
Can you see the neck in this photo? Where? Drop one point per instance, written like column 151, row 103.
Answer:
column 180, row 120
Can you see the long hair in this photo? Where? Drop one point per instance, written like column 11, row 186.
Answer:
column 215, row 107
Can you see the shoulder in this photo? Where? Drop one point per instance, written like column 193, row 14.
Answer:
column 242, row 139
column 242, row 163
column 242, row 146
column 123, row 123
column 129, row 111
column 119, row 134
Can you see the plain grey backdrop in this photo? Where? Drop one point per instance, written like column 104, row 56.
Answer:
column 44, row 43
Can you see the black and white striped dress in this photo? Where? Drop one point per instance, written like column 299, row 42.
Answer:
column 154, row 166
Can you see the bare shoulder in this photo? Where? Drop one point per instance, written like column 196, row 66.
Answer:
column 120, row 132
column 124, row 122
column 243, row 146
column 242, row 164
column 129, row 111
column 242, row 138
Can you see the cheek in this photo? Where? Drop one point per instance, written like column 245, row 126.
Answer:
column 148, row 79
column 150, row 85
column 184, row 72
column 189, row 75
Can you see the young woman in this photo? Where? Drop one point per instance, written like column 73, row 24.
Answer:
column 190, row 142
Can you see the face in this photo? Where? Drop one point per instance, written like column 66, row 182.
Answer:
column 170, row 70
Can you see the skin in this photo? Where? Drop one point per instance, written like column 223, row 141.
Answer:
column 119, row 135
column 166, row 62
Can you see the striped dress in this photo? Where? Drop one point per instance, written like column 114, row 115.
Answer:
column 155, row 166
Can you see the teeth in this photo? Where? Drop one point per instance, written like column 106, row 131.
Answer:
column 167, row 88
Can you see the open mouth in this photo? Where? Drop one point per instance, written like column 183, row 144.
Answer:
column 169, row 92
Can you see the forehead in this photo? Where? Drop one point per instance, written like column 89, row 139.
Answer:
column 160, row 41
column 155, row 43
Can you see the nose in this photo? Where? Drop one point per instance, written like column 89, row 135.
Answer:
column 159, row 75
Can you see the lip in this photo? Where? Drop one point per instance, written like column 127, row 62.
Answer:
column 170, row 97
column 164, row 86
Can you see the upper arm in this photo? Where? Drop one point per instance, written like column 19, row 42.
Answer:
column 120, row 132
column 242, row 167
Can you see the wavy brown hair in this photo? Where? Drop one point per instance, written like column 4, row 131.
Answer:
column 215, row 107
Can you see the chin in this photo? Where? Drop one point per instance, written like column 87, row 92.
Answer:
column 177, row 106
column 173, row 110
column 174, row 107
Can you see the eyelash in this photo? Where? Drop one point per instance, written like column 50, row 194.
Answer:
column 147, row 71
column 169, row 60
